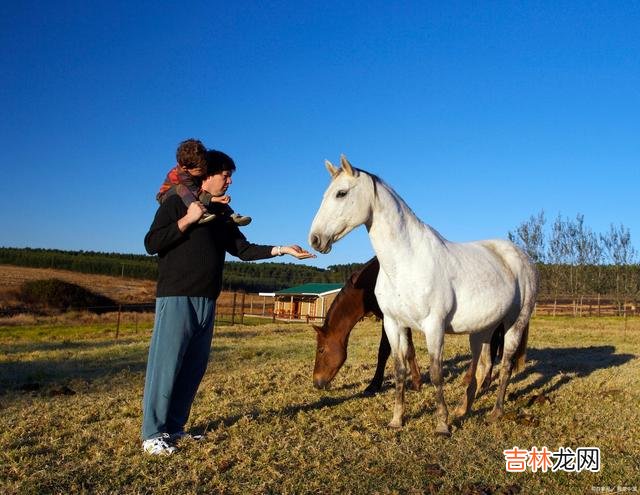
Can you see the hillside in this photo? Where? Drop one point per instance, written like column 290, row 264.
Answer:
column 121, row 289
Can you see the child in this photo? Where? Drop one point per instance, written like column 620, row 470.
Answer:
column 185, row 180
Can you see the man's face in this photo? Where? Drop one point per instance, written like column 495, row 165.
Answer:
column 217, row 184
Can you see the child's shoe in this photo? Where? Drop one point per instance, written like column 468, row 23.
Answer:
column 207, row 217
column 240, row 220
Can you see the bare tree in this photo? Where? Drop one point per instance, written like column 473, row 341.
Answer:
column 529, row 236
column 621, row 254
column 558, row 254
column 586, row 252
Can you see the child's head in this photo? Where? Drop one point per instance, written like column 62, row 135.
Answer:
column 191, row 157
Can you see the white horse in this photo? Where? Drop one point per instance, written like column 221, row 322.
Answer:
column 429, row 283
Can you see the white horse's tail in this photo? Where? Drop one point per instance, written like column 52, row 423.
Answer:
column 524, row 317
column 520, row 357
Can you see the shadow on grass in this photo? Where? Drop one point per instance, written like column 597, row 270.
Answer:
column 555, row 367
column 569, row 363
column 40, row 374
column 287, row 411
column 74, row 360
column 453, row 369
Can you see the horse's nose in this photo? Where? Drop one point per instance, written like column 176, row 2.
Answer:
column 319, row 383
column 314, row 241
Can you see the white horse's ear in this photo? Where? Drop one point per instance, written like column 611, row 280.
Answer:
column 332, row 170
column 346, row 166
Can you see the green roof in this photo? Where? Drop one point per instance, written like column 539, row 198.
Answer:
column 310, row 289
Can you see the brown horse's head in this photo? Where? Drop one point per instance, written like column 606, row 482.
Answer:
column 355, row 300
column 331, row 353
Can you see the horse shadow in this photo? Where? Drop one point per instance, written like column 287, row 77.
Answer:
column 548, row 363
column 569, row 363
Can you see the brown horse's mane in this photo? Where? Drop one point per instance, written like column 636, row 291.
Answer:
column 358, row 281
column 338, row 307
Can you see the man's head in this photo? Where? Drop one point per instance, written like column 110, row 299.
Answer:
column 220, row 168
column 191, row 156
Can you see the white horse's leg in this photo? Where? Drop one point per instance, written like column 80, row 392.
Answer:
column 513, row 342
column 477, row 342
column 434, row 333
column 398, row 341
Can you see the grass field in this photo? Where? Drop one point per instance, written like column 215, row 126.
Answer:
column 70, row 415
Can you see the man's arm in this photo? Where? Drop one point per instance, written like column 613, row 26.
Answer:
column 247, row 251
column 168, row 226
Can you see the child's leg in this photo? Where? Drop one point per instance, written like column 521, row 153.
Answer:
column 240, row 220
column 185, row 194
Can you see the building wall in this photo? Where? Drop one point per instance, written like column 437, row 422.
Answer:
column 304, row 306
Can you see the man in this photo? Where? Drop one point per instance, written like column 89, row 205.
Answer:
column 190, row 263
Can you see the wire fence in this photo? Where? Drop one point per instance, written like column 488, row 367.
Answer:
column 241, row 308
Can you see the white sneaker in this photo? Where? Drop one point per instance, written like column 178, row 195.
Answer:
column 159, row 445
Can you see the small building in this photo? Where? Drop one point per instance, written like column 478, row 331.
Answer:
column 304, row 302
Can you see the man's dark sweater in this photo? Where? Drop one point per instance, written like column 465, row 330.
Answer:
column 190, row 263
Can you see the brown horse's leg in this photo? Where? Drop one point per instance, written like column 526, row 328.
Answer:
column 384, row 350
column 416, row 378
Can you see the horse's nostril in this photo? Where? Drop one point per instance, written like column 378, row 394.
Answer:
column 315, row 240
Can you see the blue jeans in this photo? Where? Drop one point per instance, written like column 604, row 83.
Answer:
column 178, row 357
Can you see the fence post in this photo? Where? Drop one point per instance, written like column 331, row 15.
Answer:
column 242, row 309
column 118, row 323
column 233, row 309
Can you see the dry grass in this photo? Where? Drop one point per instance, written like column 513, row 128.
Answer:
column 70, row 415
column 123, row 290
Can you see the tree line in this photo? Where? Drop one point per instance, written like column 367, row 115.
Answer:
column 238, row 276
column 575, row 261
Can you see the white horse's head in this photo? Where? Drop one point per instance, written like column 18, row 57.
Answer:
column 346, row 204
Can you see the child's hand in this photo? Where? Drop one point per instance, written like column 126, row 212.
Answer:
column 225, row 200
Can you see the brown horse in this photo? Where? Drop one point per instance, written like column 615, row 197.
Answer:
column 354, row 301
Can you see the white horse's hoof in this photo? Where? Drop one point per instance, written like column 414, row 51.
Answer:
column 443, row 433
column 395, row 424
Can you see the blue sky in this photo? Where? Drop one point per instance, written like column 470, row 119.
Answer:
column 479, row 114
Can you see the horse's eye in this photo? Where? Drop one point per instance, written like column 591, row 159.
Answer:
column 341, row 194
column 321, row 350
